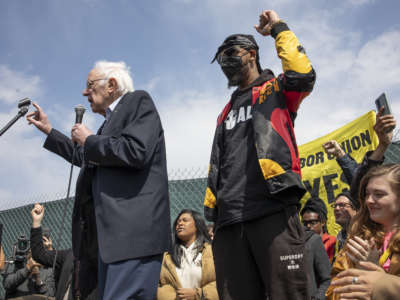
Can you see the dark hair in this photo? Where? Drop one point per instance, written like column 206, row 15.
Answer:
column 201, row 236
column 318, row 206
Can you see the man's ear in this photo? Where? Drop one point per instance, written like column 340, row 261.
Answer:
column 253, row 55
column 112, row 85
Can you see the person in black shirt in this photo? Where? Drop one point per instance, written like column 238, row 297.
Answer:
column 254, row 183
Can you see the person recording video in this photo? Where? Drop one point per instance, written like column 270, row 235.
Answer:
column 23, row 276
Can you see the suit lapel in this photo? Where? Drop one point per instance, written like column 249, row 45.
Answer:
column 100, row 130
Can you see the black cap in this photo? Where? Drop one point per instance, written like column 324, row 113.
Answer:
column 347, row 194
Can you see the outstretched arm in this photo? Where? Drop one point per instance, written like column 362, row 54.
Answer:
column 39, row 253
column 384, row 129
column 345, row 161
column 298, row 79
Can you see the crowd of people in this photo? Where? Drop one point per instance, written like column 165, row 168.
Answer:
column 258, row 243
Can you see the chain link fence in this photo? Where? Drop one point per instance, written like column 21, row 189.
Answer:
column 186, row 190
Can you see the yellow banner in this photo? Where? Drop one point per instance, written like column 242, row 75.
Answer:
column 321, row 174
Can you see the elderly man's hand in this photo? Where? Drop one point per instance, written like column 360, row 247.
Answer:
column 358, row 284
column 267, row 19
column 37, row 215
column 39, row 119
column 79, row 133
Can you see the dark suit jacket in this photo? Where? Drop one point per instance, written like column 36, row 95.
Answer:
column 124, row 176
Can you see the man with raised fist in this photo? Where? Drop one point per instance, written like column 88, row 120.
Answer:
column 254, row 182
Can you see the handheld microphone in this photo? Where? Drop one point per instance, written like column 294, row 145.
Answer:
column 79, row 111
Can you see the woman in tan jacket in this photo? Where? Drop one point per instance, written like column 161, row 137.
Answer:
column 188, row 271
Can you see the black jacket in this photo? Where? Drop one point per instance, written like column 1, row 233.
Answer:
column 275, row 104
column 318, row 264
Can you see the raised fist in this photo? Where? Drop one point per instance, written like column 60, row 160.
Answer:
column 267, row 19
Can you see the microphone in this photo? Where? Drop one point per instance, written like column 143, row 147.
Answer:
column 24, row 102
column 79, row 111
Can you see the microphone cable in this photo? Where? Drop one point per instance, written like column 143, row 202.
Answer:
column 64, row 215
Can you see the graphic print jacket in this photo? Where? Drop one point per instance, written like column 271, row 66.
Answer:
column 274, row 109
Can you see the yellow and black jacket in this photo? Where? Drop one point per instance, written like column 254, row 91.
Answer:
column 274, row 107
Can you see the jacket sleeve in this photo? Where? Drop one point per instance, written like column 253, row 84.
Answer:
column 362, row 169
column 166, row 292
column 341, row 263
column 13, row 280
column 209, row 292
column 138, row 140
column 44, row 256
column 166, row 286
column 48, row 288
column 322, row 268
column 63, row 146
column 209, row 286
column 210, row 199
column 298, row 76
column 349, row 167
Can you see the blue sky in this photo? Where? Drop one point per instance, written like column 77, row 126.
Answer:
column 49, row 46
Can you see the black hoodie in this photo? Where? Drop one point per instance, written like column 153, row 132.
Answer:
column 318, row 263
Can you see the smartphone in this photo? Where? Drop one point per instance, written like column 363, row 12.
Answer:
column 381, row 101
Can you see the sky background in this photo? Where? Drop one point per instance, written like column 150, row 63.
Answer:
column 48, row 47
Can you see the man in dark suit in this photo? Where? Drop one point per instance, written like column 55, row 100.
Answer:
column 122, row 187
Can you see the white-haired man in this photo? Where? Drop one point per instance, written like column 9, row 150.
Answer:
column 122, row 187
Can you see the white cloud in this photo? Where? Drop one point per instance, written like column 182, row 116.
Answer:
column 30, row 173
column 189, row 121
column 152, row 84
column 377, row 63
column 15, row 85
column 29, row 169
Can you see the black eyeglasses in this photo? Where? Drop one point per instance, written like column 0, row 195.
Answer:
column 311, row 222
column 341, row 205
column 89, row 83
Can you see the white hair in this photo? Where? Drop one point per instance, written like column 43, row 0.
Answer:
column 117, row 70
